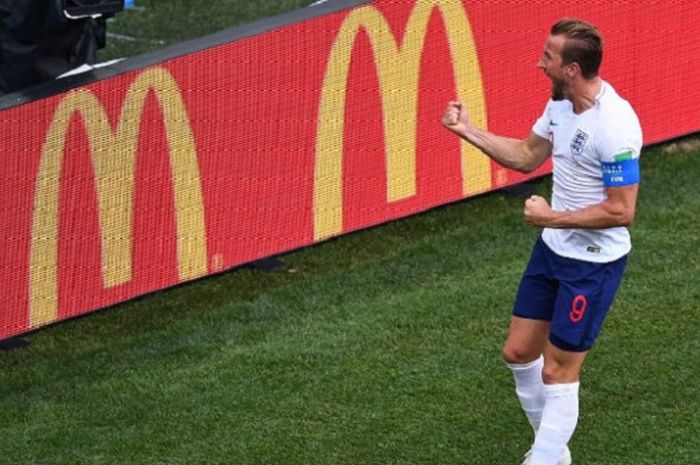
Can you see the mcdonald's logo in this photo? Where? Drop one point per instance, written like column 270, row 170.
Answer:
column 114, row 163
column 398, row 70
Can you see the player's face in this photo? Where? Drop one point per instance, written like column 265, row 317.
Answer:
column 551, row 64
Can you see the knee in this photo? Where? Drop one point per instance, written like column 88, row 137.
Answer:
column 514, row 353
column 555, row 373
column 551, row 373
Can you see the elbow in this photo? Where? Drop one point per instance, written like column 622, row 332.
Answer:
column 627, row 220
column 528, row 158
column 526, row 167
column 528, row 161
column 619, row 213
column 624, row 217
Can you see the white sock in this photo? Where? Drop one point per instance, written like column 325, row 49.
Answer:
column 559, row 419
column 530, row 389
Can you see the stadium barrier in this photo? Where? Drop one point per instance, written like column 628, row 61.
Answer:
column 254, row 141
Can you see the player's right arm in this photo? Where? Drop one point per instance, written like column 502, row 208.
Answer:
column 520, row 155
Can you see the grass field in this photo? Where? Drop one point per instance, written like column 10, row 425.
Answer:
column 382, row 347
column 378, row 348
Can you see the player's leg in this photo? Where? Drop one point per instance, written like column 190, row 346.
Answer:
column 527, row 339
column 586, row 292
column 562, row 366
column 560, row 411
column 529, row 331
column 523, row 349
column 522, row 352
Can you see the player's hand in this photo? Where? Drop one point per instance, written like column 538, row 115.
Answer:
column 537, row 211
column 456, row 117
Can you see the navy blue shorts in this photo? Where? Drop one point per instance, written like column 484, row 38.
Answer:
column 573, row 295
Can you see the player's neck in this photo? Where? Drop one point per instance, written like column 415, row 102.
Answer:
column 583, row 93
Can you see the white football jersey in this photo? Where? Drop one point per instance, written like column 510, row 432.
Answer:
column 582, row 146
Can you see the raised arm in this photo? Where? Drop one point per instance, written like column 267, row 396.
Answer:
column 520, row 155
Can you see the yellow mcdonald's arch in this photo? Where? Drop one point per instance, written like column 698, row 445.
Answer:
column 114, row 163
column 398, row 70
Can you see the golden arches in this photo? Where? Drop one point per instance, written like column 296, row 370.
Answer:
column 398, row 70
column 114, row 163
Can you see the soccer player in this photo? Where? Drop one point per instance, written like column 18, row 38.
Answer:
column 595, row 139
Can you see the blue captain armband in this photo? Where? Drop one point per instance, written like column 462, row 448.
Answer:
column 621, row 173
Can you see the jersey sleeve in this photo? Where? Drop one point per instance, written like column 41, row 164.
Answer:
column 619, row 145
column 541, row 126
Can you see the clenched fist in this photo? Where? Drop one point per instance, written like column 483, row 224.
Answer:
column 537, row 211
column 456, row 117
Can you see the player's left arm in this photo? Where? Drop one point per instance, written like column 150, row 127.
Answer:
column 619, row 144
column 617, row 210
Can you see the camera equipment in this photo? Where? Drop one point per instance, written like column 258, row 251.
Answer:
column 81, row 8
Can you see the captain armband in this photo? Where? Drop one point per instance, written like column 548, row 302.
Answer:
column 621, row 173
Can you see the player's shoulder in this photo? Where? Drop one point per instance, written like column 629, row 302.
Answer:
column 618, row 126
column 616, row 117
column 614, row 109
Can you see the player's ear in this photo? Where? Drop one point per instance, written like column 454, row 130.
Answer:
column 572, row 70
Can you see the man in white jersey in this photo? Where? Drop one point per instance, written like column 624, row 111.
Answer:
column 594, row 138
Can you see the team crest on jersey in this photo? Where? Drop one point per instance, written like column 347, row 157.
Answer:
column 578, row 142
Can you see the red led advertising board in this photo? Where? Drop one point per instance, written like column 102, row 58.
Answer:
column 200, row 162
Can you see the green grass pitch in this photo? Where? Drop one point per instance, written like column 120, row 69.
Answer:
column 382, row 347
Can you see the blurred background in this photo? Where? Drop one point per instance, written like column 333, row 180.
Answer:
column 153, row 24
